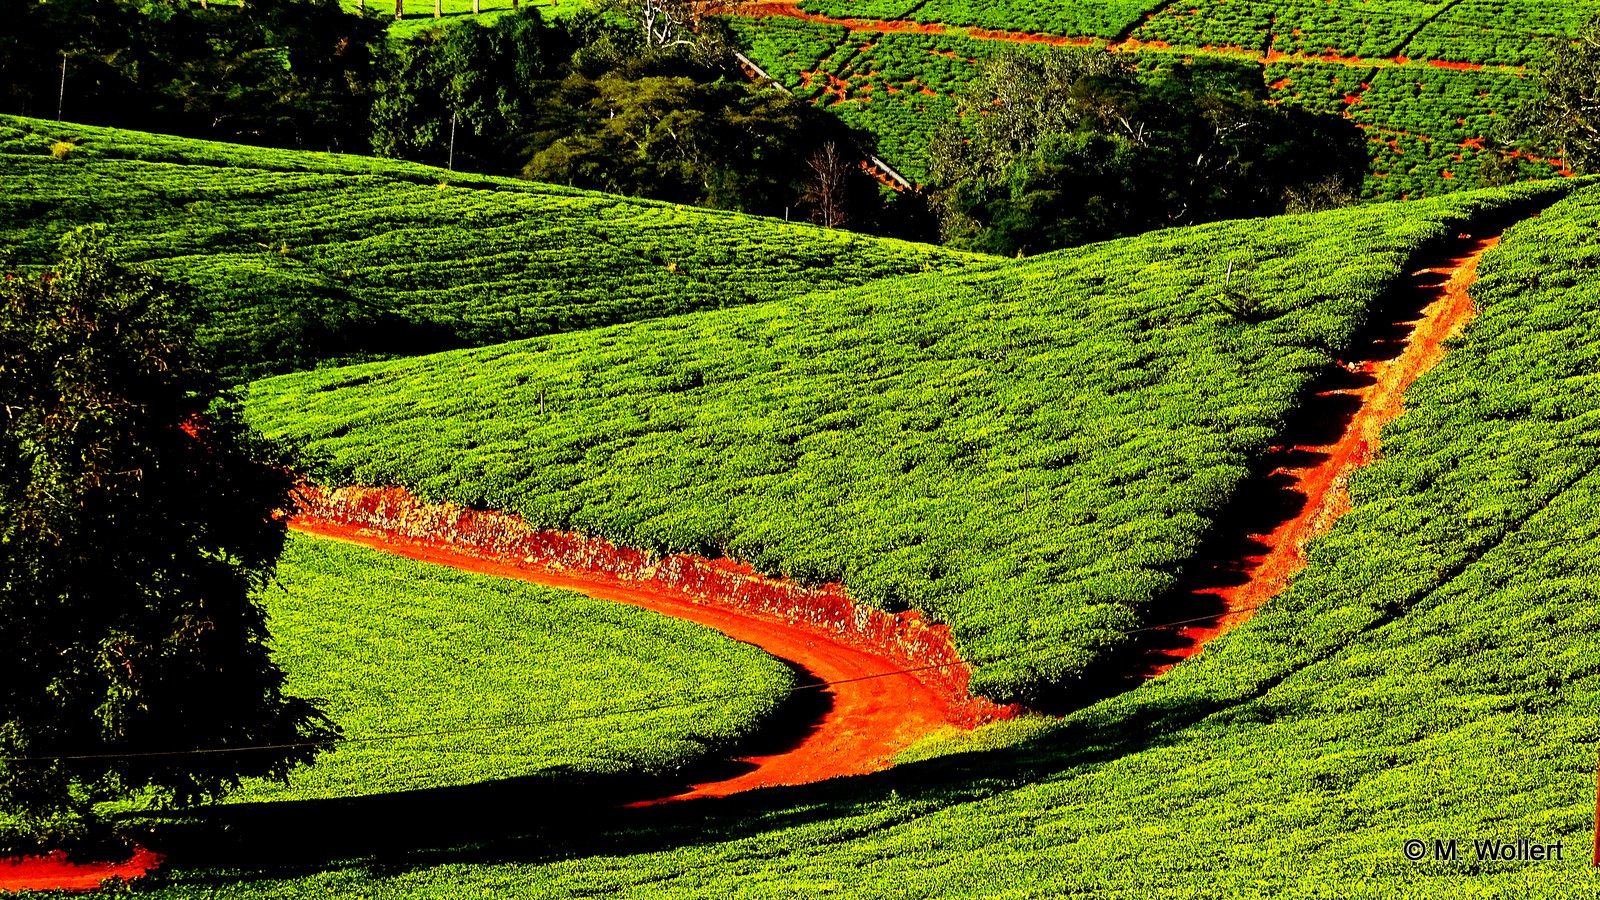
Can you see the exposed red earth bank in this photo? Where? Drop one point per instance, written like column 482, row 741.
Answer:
column 894, row 678
column 1320, row 473
column 56, row 873
column 878, row 708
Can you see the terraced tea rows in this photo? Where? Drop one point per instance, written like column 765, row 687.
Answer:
column 1430, row 674
column 293, row 267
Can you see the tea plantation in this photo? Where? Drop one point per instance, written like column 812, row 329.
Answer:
column 1432, row 676
column 1450, row 69
column 1030, row 453
column 299, row 258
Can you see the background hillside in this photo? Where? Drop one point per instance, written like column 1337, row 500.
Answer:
column 297, row 258
column 1428, row 82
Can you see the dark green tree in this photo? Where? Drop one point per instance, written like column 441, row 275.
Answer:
column 721, row 144
column 484, row 83
column 138, row 517
column 1563, row 117
column 295, row 73
column 1062, row 148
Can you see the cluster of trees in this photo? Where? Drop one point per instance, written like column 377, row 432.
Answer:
column 1057, row 149
column 289, row 73
column 1563, row 119
column 648, row 109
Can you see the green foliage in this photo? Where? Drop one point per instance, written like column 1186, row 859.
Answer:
column 285, row 72
column 420, row 648
column 295, row 262
column 1063, row 148
column 1564, row 112
column 466, row 92
column 137, row 519
column 674, row 138
column 1029, row 452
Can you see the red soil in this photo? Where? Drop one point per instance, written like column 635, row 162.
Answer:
column 873, row 714
column 56, row 873
column 1323, row 475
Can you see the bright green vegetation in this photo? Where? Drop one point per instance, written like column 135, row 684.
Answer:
column 1430, row 130
column 902, row 86
column 1030, row 452
column 1503, row 32
column 897, row 86
column 1431, row 675
column 1099, row 18
column 24, row 137
column 788, row 49
column 419, row 13
column 297, row 258
column 1429, row 126
column 402, row 647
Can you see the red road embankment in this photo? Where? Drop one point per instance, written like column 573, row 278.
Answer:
column 877, row 707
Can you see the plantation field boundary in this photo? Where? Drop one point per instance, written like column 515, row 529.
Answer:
column 766, row 9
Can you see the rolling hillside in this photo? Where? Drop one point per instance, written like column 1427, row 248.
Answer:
column 1431, row 676
column 1259, row 558
column 299, row 257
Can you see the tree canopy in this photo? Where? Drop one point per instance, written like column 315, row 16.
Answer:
column 1065, row 147
column 1563, row 118
column 138, row 516
column 294, row 73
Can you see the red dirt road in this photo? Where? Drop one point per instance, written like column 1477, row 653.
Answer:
column 55, row 873
column 1321, row 472
column 872, row 715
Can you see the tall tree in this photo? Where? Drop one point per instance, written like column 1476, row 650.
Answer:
column 138, row 516
column 1563, row 117
column 487, row 77
column 825, row 192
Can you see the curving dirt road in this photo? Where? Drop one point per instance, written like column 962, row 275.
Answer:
column 868, row 718
column 56, row 873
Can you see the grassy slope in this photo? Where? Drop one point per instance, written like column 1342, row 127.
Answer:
column 1431, row 675
column 397, row 646
column 1030, row 453
column 301, row 257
